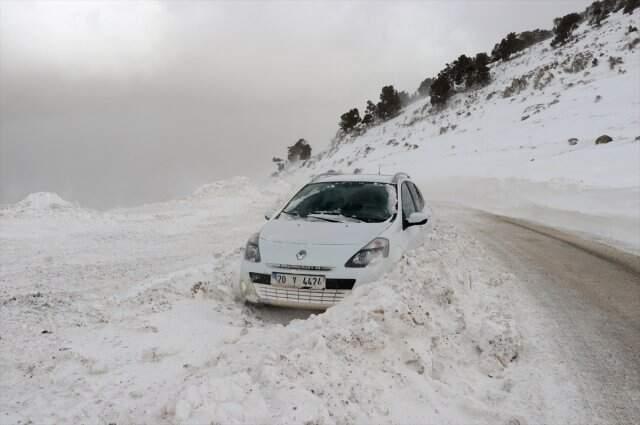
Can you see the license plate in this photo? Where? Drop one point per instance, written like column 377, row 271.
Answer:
column 287, row 280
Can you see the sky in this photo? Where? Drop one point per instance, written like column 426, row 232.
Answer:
column 117, row 103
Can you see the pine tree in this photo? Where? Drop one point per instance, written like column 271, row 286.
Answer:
column 390, row 103
column 440, row 89
column 564, row 28
column 350, row 119
column 425, row 87
column 370, row 113
column 301, row 150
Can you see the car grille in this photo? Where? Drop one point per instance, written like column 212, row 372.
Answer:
column 319, row 297
column 265, row 279
column 300, row 267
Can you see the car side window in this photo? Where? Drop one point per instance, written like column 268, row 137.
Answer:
column 417, row 196
column 408, row 207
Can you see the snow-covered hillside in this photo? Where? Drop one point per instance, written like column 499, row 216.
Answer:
column 525, row 144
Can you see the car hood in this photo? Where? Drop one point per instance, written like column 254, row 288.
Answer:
column 321, row 232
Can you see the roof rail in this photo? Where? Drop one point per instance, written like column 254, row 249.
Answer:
column 328, row 173
column 397, row 176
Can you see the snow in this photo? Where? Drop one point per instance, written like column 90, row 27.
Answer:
column 40, row 203
column 113, row 289
column 128, row 316
column 481, row 144
column 368, row 358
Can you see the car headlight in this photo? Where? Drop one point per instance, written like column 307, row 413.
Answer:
column 370, row 253
column 252, row 249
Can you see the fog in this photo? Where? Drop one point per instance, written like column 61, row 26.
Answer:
column 121, row 103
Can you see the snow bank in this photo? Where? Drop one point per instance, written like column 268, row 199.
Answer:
column 222, row 187
column 43, row 201
column 609, row 215
column 136, row 313
column 431, row 340
column 240, row 186
column 50, row 212
column 40, row 203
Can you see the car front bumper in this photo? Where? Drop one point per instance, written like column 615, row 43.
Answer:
column 254, row 285
column 315, row 299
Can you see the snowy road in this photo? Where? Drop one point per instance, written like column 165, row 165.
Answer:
column 583, row 304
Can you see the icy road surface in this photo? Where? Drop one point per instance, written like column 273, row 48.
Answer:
column 587, row 296
column 127, row 317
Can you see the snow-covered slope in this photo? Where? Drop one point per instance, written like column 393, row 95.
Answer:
column 506, row 147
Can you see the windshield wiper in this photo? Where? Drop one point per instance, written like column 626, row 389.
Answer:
column 318, row 216
column 350, row 218
column 358, row 219
column 312, row 215
column 292, row 214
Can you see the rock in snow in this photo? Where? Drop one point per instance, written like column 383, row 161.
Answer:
column 603, row 139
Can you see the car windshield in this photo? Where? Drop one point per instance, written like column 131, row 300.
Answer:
column 344, row 201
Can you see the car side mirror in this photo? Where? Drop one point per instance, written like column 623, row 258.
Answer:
column 417, row 218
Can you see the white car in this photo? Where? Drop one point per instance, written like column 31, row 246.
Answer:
column 337, row 232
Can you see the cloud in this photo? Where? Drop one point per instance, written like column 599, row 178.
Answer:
column 81, row 38
column 124, row 102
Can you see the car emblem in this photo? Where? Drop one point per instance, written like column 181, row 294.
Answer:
column 301, row 254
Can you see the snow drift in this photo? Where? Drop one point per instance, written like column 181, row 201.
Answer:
column 399, row 350
column 40, row 203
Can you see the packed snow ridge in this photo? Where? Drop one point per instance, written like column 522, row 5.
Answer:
column 41, row 202
column 525, row 144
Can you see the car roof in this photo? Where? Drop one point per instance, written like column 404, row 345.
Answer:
column 375, row 178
